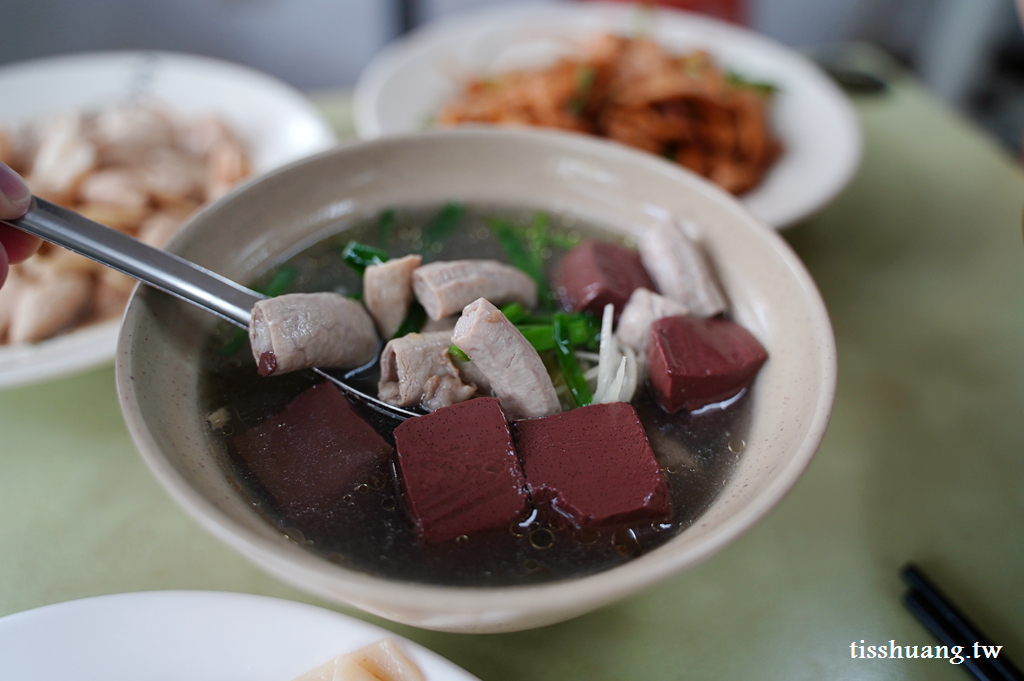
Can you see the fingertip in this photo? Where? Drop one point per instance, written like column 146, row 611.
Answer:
column 3, row 265
column 18, row 245
column 15, row 196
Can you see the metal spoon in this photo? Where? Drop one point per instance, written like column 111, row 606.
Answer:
column 161, row 270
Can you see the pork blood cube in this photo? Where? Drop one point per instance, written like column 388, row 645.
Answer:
column 313, row 453
column 596, row 273
column 459, row 470
column 695, row 362
column 592, row 465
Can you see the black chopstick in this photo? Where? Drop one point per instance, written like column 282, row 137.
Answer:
column 952, row 627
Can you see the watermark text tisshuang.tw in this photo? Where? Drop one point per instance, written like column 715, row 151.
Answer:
column 953, row 654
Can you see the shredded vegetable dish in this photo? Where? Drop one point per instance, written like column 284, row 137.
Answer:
column 683, row 107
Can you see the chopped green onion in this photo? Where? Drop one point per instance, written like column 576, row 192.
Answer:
column 443, row 225
column 574, row 379
column 582, row 329
column 414, row 320
column 515, row 312
column 762, row 88
column 360, row 256
column 540, row 336
column 584, row 83
column 564, row 242
column 385, row 223
column 456, row 352
column 520, row 256
column 281, row 282
column 537, row 237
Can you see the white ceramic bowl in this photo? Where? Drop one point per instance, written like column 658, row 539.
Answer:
column 276, row 122
column 245, row 233
column 190, row 635
column 410, row 80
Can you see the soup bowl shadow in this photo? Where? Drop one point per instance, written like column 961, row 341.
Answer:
column 265, row 221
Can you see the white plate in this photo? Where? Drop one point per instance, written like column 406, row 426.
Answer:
column 276, row 122
column 408, row 82
column 189, row 635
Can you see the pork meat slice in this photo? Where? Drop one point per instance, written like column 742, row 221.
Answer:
column 417, row 369
column 680, row 267
column 445, row 288
column 643, row 309
column 512, row 366
column 387, row 292
column 303, row 330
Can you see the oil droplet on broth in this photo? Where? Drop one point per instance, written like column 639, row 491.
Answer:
column 542, row 538
column 737, row 445
column 389, row 504
column 586, row 536
column 625, row 543
column 462, row 540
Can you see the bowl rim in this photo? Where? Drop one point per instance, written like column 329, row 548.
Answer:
column 575, row 595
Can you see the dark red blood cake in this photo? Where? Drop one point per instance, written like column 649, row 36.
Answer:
column 592, row 465
column 459, row 470
column 596, row 273
column 695, row 362
column 313, row 453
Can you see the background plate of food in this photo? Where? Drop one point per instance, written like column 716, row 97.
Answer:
column 749, row 113
column 206, row 636
column 138, row 141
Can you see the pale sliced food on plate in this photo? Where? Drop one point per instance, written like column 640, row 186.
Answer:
column 379, row 661
column 140, row 168
column 137, row 141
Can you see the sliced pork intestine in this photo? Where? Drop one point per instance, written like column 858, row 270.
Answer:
column 303, row 330
column 512, row 366
column 680, row 267
column 643, row 309
column 445, row 288
column 417, row 369
column 387, row 292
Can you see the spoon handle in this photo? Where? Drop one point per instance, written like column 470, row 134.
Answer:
column 138, row 260
column 161, row 270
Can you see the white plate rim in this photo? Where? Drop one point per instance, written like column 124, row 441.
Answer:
column 779, row 207
column 93, row 346
column 205, row 635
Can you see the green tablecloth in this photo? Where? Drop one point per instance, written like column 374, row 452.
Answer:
column 921, row 264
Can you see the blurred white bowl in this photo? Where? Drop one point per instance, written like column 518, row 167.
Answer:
column 276, row 122
column 409, row 81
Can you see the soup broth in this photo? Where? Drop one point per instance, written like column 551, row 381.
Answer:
column 369, row 529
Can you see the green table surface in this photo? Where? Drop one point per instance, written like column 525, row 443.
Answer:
column 921, row 264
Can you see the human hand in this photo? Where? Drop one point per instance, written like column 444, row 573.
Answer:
column 15, row 245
